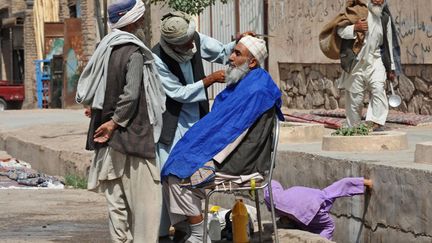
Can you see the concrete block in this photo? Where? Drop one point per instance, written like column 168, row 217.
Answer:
column 294, row 132
column 299, row 236
column 377, row 141
column 423, row 153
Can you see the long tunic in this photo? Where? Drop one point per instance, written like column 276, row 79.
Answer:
column 212, row 51
column 369, row 63
column 309, row 207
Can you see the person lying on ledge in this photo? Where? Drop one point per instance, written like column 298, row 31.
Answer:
column 308, row 209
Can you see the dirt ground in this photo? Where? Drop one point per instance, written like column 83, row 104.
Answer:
column 44, row 215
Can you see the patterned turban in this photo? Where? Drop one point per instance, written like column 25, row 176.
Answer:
column 257, row 47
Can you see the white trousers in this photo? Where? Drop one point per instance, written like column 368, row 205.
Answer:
column 181, row 202
column 134, row 202
column 373, row 77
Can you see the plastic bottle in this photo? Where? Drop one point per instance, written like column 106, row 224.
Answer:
column 214, row 225
column 240, row 223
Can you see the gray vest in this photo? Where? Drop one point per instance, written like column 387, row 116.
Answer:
column 137, row 137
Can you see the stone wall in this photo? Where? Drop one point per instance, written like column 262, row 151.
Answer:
column 314, row 86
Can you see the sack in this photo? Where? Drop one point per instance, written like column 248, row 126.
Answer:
column 330, row 41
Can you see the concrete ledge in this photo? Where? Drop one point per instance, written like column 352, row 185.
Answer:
column 423, row 153
column 294, row 132
column 398, row 210
column 298, row 236
column 377, row 141
column 55, row 151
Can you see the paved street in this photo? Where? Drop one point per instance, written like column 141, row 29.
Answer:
column 80, row 216
column 50, row 215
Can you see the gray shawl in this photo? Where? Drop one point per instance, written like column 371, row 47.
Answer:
column 92, row 83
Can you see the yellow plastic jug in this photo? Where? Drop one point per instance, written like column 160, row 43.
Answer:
column 240, row 225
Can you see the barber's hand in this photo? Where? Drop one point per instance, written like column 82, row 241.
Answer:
column 87, row 112
column 361, row 25
column 391, row 75
column 239, row 36
column 104, row 132
column 218, row 76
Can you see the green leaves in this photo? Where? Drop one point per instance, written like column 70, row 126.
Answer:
column 193, row 7
column 360, row 130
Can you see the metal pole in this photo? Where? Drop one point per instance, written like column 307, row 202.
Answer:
column 266, row 29
column 237, row 16
column 105, row 9
column 11, row 64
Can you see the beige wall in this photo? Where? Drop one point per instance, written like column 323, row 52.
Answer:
column 157, row 11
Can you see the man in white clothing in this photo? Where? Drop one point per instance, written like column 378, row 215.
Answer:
column 372, row 66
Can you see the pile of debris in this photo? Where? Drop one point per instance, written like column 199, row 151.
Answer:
column 23, row 174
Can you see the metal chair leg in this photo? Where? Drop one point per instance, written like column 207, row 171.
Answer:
column 273, row 214
column 258, row 215
column 207, row 200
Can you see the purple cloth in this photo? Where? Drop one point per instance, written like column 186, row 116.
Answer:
column 310, row 207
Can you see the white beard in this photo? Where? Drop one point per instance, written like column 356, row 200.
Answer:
column 235, row 74
column 376, row 9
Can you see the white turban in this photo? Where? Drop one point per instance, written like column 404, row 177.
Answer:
column 257, row 47
column 125, row 12
column 177, row 28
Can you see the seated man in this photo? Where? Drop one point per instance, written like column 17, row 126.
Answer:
column 235, row 135
column 308, row 208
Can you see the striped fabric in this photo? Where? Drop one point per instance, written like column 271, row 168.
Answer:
column 126, row 105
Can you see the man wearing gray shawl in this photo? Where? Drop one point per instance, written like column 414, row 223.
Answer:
column 121, row 85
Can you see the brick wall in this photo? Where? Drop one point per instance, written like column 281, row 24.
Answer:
column 4, row 4
column 29, row 56
column 64, row 10
column 18, row 6
column 89, row 27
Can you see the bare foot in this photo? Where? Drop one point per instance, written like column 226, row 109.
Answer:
column 368, row 183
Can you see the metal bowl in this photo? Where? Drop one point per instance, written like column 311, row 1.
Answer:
column 395, row 101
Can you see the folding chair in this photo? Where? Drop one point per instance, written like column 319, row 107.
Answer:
column 264, row 184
